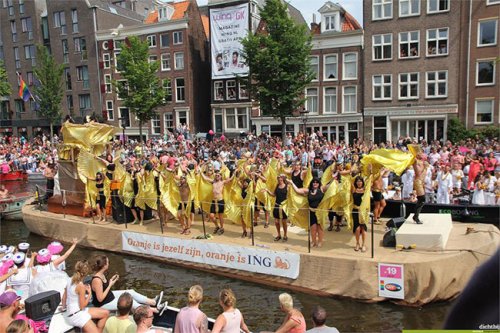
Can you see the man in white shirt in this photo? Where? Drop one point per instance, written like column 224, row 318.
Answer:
column 445, row 186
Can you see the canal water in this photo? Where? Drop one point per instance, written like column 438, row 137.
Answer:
column 258, row 303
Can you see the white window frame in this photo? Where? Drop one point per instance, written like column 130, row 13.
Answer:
column 382, row 85
column 355, row 99
column 437, row 11
column 438, row 40
column 232, row 86
column 243, row 87
column 165, row 57
column 436, row 84
column 336, row 64
column 110, row 111
column 177, row 37
column 117, row 91
column 325, row 96
column 152, row 58
column 408, row 85
column 169, row 121
column 218, row 85
column 175, row 60
column 409, row 8
column 408, row 43
column 317, row 66
column 344, row 77
column 235, row 112
column 115, row 59
column 307, row 102
column 177, row 100
column 477, row 72
column 331, row 22
column 492, row 2
column 479, row 32
column 74, row 20
column 151, row 41
column 492, row 101
column 108, row 86
column 106, row 59
column 167, row 85
column 161, row 41
column 121, row 116
column 155, row 117
column 382, row 3
column 382, row 45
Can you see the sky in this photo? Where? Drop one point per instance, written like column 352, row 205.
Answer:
column 310, row 7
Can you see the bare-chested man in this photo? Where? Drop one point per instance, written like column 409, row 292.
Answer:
column 183, row 216
column 420, row 168
column 378, row 198
column 217, row 206
column 50, row 173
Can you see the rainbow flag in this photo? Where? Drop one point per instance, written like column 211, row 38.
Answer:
column 24, row 92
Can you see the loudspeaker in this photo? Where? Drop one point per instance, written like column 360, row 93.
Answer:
column 42, row 306
column 395, row 222
column 389, row 239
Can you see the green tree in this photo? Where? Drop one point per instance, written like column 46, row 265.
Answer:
column 48, row 91
column 143, row 92
column 279, row 62
column 5, row 88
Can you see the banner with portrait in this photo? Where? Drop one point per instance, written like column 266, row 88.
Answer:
column 228, row 26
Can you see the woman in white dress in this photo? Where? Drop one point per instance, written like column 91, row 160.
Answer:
column 479, row 187
column 76, row 299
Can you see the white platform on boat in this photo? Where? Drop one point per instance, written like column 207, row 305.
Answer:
column 431, row 235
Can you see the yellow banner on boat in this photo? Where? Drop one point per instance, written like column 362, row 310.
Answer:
column 92, row 137
column 392, row 159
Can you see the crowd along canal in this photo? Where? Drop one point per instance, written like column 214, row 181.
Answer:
column 258, row 303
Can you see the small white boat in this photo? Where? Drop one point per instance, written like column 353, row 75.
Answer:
column 10, row 207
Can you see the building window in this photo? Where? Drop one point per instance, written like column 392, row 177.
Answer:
column 409, row 8
column 437, row 42
column 382, row 47
column 151, row 40
column 125, row 117
column 382, row 87
column 179, row 60
column 84, row 102
column 19, row 105
column 485, row 72
column 487, row 33
column 236, row 118
column 436, row 83
column 152, row 59
column 65, row 50
column 156, row 124
column 168, row 122
column 492, row 2
column 312, row 100
column 74, row 20
column 29, row 53
column 21, row 6
column 231, row 89
column 182, row 118
column 177, row 37
column 60, row 22
column 379, row 129
column 17, row 57
column 167, row 85
column 350, row 68
column 314, row 66
column 82, row 74
column 110, row 110
column 243, row 91
column 409, row 44
column 81, row 47
column 27, row 26
column 13, row 30
column 118, row 66
column 165, row 62
column 117, row 45
column 382, row 9
column 10, row 7
column 29, row 78
column 437, row 6
column 218, row 90
column 67, row 78
column 107, row 83
column 484, row 111
column 106, row 60
column 408, row 86
column 330, row 23
column 121, row 89
column 330, row 63
column 69, row 102
column 164, row 40
column 330, row 100
column 349, row 104
column 180, row 90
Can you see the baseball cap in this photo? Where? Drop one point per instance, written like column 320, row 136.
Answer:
column 8, row 298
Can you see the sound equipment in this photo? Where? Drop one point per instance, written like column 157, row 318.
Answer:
column 389, row 239
column 395, row 222
column 42, row 306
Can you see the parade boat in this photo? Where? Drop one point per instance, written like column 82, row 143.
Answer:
column 35, row 176
column 13, row 176
column 11, row 207
column 461, row 212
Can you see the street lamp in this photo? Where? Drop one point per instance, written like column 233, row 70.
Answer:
column 122, row 119
column 303, row 114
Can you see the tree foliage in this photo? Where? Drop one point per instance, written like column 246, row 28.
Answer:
column 279, row 62
column 5, row 88
column 143, row 92
column 47, row 91
column 457, row 132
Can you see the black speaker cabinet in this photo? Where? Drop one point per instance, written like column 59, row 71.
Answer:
column 42, row 306
column 395, row 222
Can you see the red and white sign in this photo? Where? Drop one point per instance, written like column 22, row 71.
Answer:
column 202, row 251
column 391, row 281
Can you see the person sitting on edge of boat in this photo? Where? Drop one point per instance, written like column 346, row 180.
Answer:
column 231, row 320
column 4, row 193
column 122, row 322
column 319, row 319
column 45, row 262
column 103, row 297
column 143, row 317
column 294, row 321
column 10, row 305
column 76, row 299
column 190, row 318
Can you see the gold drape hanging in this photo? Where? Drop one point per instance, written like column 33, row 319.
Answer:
column 392, row 159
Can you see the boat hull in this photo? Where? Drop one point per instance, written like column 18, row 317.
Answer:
column 13, row 176
column 11, row 208
column 459, row 213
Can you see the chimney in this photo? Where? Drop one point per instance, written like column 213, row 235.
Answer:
column 314, row 18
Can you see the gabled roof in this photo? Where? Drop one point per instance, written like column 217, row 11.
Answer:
column 180, row 9
column 117, row 10
column 329, row 6
column 350, row 23
column 347, row 21
column 205, row 20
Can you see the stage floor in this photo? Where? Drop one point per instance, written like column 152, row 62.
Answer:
column 334, row 269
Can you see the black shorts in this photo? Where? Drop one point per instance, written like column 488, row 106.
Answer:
column 217, row 207
column 377, row 196
column 258, row 206
column 355, row 221
column 185, row 206
column 313, row 219
column 101, row 200
column 276, row 213
column 331, row 215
